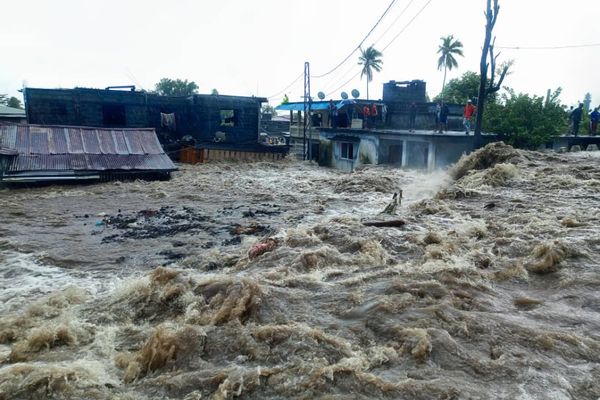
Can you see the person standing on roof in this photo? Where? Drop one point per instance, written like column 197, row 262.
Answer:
column 594, row 118
column 367, row 117
column 384, row 113
column 374, row 114
column 444, row 111
column 332, row 114
column 468, row 113
column 412, row 116
column 576, row 118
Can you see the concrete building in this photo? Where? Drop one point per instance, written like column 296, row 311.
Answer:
column 348, row 115
column 347, row 149
column 200, row 121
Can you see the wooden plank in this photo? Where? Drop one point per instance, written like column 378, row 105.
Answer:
column 390, row 223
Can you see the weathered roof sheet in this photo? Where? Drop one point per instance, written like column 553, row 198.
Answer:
column 11, row 112
column 56, row 148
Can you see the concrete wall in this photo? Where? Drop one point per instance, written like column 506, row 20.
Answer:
column 340, row 163
column 427, row 152
column 368, row 151
column 198, row 115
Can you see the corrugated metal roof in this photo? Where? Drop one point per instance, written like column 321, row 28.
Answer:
column 55, row 148
column 11, row 112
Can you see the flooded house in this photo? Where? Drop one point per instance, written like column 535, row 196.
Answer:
column 195, row 128
column 304, row 133
column 348, row 138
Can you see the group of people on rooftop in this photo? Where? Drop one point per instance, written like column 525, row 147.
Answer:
column 369, row 114
column 575, row 117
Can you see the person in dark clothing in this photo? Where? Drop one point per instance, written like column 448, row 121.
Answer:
column 444, row 111
column 576, row 118
column 333, row 113
column 594, row 118
column 316, row 119
column 570, row 120
column 412, row 117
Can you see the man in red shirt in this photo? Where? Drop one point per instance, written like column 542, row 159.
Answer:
column 468, row 113
column 367, row 117
column 374, row 114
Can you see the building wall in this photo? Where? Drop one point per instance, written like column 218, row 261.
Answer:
column 198, row 116
column 398, row 116
column 368, row 151
column 13, row 120
column 427, row 152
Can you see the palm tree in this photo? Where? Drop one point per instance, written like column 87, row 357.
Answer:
column 370, row 59
column 447, row 50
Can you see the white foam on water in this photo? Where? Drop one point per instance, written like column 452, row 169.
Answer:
column 23, row 279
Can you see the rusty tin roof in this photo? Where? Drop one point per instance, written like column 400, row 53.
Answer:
column 69, row 148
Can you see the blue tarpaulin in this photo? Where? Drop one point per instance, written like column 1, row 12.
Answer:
column 316, row 106
column 323, row 105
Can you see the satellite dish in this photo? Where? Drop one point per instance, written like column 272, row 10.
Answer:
column 344, row 95
column 355, row 93
column 321, row 95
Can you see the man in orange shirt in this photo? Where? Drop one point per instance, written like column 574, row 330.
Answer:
column 468, row 113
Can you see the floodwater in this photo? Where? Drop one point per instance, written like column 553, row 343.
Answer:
column 261, row 281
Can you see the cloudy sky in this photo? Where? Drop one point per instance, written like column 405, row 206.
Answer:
column 259, row 47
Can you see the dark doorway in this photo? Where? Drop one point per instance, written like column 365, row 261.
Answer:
column 417, row 155
column 113, row 115
column 395, row 156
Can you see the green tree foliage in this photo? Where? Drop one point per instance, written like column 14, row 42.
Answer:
column 214, row 92
column 268, row 109
column 458, row 90
column 370, row 59
column 10, row 101
column 526, row 121
column 14, row 103
column 175, row 87
column 587, row 102
column 449, row 48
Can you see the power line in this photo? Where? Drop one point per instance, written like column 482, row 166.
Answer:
column 343, row 84
column 407, row 25
column 344, row 75
column 341, row 78
column 287, row 87
column 392, row 41
column 360, row 44
column 395, row 20
column 573, row 46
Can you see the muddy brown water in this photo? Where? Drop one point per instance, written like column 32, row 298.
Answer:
column 146, row 290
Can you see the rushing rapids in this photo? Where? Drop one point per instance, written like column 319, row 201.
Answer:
column 261, row 281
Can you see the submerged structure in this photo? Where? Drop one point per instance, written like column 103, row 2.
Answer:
column 347, row 149
column 38, row 153
column 344, row 134
column 199, row 124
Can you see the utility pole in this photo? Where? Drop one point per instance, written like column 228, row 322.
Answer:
column 307, row 111
column 488, row 86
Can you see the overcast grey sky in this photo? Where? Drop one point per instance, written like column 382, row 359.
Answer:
column 259, row 47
